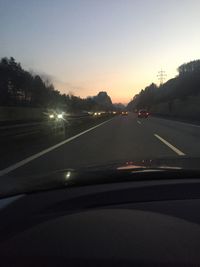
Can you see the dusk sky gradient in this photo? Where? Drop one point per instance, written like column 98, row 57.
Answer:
column 87, row 46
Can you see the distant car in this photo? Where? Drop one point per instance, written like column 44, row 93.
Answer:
column 124, row 112
column 143, row 113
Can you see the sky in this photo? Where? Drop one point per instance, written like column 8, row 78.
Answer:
column 87, row 46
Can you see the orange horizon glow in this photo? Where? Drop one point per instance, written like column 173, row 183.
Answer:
column 84, row 93
column 91, row 46
column 121, row 89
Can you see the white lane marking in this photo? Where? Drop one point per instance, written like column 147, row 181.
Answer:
column 139, row 122
column 31, row 158
column 176, row 150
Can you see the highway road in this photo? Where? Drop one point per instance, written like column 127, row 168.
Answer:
column 121, row 138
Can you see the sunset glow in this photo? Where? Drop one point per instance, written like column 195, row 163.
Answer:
column 85, row 46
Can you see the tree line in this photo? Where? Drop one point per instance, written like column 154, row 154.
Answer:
column 19, row 87
column 178, row 97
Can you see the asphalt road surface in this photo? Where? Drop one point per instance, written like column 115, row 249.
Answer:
column 122, row 138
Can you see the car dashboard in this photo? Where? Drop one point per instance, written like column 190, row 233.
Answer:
column 141, row 223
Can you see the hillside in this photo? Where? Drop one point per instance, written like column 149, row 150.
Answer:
column 20, row 88
column 178, row 97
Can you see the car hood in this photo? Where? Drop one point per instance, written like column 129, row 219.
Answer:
column 146, row 163
column 122, row 171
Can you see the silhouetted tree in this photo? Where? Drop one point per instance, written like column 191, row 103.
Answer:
column 176, row 93
column 19, row 87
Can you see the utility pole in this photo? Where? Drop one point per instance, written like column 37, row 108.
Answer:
column 161, row 76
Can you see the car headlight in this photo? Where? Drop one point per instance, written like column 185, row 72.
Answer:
column 60, row 116
column 51, row 116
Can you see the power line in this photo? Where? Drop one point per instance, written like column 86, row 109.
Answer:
column 161, row 76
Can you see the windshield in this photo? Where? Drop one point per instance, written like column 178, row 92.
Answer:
column 97, row 83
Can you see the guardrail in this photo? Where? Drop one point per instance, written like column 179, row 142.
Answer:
column 19, row 130
column 46, row 127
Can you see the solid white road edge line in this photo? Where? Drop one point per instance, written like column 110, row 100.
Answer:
column 31, row 158
column 176, row 150
column 180, row 122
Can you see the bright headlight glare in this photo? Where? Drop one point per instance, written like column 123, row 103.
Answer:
column 51, row 116
column 60, row 116
column 67, row 176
